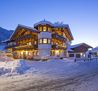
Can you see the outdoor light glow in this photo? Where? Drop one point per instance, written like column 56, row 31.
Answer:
column 29, row 43
column 57, row 52
column 81, row 54
column 26, row 52
column 21, row 52
column 29, row 53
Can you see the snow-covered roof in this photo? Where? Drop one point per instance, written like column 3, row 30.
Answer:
column 61, row 25
column 77, row 45
column 31, row 28
column 43, row 22
column 69, row 49
column 7, row 40
column 58, row 24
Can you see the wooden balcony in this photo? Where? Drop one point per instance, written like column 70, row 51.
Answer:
column 23, row 46
column 58, row 47
column 59, row 37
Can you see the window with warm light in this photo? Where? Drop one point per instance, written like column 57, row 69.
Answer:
column 40, row 28
column 49, row 29
column 29, row 43
column 57, row 52
column 44, row 28
column 40, row 41
column 35, row 42
column 44, row 41
column 49, row 41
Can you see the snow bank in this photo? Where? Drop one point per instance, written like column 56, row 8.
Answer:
column 51, row 67
column 13, row 67
column 3, row 57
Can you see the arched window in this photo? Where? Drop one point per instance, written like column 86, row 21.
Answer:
column 44, row 28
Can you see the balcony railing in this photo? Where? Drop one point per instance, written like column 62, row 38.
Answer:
column 58, row 37
column 58, row 47
column 24, row 37
column 22, row 46
column 10, row 46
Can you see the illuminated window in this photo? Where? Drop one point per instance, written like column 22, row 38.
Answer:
column 45, row 41
column 49, row 29
column 44, row 28
column 35, row 42
column 40, row 28
column 57, row 52
column 29, row 43
column 49, row 41
column 40, row 41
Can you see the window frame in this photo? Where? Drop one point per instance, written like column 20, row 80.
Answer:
column 44, row 27
column 48, row 41
column 45, row 41
column 71, row 55
column 40, row 41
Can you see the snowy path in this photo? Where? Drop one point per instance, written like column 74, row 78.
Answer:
column 83, row 82
column 55, row 76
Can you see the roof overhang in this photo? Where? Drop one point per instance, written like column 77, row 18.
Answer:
column 24, row 27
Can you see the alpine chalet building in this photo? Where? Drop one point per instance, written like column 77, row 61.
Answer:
column 43, row 41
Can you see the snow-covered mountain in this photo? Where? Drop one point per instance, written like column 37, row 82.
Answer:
column 5, row 34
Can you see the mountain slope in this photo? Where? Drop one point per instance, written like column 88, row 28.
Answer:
column 5, row 34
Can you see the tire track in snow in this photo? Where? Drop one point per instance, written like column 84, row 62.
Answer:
column 54, row 85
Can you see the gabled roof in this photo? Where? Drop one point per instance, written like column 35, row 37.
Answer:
column 27, row 27
column 24, row 27
column 55, row 25
column 69, row 49
column 60, row 25
column 77, row 45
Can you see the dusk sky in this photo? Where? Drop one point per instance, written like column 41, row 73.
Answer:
column 81, row 15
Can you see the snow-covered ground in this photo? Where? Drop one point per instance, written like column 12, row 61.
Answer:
column 51, row 75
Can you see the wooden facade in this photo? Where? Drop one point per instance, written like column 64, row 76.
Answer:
column 79, row 50
column 24, row 42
